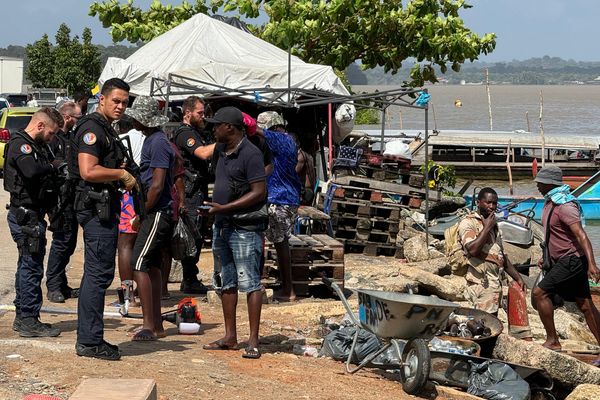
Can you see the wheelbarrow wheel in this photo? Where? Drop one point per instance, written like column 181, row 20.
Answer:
column 416, row 361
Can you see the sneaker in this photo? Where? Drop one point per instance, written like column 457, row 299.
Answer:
column 33, row 327
column 103, row 351
column 193, row 287
column 55, row 296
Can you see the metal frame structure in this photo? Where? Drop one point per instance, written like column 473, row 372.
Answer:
column 295, row 98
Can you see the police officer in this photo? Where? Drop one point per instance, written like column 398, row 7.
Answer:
column 196, row 151
column 95, row 162
column 63, row 222
column 27, row 172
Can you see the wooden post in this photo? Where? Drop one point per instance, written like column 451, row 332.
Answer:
column 510, row 180
column 401, row 119
column 542, row 129
column 434, row 118
column 487, row 88
column 527, row 118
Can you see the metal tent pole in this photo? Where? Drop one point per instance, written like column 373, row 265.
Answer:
column 426, row 174
column 382, row 130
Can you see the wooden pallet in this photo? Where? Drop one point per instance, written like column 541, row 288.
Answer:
column 313, row 258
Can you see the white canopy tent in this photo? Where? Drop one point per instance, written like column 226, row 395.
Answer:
column 205, row 53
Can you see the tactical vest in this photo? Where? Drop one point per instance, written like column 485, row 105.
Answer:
column 113, row 159
column 32, row 193
column 191, row 163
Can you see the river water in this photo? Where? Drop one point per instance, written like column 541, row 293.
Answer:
column 567, row 110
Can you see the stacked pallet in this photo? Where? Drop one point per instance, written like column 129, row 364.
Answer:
column 365, row 214
column 312, row 258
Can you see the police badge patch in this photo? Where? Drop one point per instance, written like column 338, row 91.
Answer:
column 26, row 149
column 191, row 142
column 89, row 138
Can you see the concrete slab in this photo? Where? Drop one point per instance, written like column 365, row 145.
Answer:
column 109, row 389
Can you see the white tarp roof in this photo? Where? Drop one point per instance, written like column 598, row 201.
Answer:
column 212, row 51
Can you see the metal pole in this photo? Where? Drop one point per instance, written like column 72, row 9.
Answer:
column 426, row 174
column 330, row 124
column 382, row 130
column 289, row 74
column 168, row 95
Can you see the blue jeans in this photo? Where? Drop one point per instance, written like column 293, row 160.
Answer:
column 30, row 270
column 100, row 239
column 237, row 255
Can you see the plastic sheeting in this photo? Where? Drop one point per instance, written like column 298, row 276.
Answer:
column 208, row 50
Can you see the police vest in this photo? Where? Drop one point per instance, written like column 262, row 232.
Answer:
column 26, row 192
column 192, row 163
column 115, row 157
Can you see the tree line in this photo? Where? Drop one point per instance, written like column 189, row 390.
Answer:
column 533, row 71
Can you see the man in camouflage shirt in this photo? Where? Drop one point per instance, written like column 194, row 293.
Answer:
column 480, row 237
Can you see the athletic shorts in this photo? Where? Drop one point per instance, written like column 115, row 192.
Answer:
column 154, row 235
column 568, row 278
column 281, row 222
column 127, row 214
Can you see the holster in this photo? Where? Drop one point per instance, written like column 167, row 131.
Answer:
column 191, row 183
column 35, row 242
column 86, row 199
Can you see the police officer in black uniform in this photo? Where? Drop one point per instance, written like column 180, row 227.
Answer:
column 197, row 151
column 28, row 174
column 95, row 163
column 63, row 221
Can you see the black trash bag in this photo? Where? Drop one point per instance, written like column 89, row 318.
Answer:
column 337, row 344
column 495, row 380
column 183, row 244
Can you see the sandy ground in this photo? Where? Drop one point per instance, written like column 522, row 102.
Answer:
column 178, row 364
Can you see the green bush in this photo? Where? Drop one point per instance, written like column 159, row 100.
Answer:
column 367, row 116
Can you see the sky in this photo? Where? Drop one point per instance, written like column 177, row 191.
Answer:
column 525, row 28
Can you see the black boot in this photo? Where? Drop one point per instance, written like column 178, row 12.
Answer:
column 33, row 327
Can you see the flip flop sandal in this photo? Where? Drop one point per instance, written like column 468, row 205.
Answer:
column 252, row 353
column 144, row 335
column 218, row 345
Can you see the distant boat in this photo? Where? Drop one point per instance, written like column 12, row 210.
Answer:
column 588, row 194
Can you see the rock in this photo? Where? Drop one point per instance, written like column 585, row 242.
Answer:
column 585, row 392
column 568, row 326
column 564, row 369
column 448, row 288
column 437, row 266
column 415, row 249
column 446, row 205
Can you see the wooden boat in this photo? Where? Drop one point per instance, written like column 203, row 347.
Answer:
column 574, row 181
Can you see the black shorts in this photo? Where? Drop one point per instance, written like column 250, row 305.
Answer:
column 154, row 235
column 568, row 278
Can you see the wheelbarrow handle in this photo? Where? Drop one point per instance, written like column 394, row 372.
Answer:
column 331, row 284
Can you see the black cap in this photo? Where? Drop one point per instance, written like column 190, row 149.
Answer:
column 227, row 115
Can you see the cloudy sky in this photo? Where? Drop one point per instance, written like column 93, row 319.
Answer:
column 525, row 28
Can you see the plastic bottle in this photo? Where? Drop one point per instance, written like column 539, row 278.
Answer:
column 305, row 350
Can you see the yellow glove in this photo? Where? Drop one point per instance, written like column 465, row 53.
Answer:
column 128, row 180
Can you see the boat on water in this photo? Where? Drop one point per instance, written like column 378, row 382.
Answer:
column 588, row 194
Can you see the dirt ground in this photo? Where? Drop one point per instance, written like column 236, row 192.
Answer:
column 179, row 365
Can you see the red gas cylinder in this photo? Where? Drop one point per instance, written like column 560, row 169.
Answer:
column 517, row 310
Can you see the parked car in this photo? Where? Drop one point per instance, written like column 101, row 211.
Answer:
column 15, row 99
column 4, row 103
column 11, row 120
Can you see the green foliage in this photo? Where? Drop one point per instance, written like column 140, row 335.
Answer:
column 40, row 70
column 336, row 32
column 367, row 116
column 69, row 64
column 440, row 176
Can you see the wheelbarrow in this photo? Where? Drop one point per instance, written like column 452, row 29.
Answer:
column 402, row 321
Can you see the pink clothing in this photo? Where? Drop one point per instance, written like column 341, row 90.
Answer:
column 562, row 241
